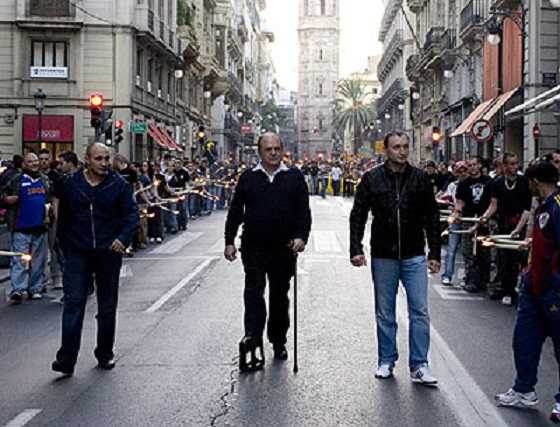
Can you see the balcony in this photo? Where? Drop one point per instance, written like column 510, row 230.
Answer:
column 393, row 95
column 472, row 19
column 235, row 87
column 190, row 49
column 434, row 39
column 450, row 39
column 415, row 5
column 390, row 56
column 413, row 67
column 155, row 32
column 56, row 15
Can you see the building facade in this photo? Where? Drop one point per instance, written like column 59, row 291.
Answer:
column 393, row 107
column 159, row 71
column 318, row 74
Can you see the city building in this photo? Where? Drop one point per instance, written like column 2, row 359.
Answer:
column 393, row 107
column 318, row 74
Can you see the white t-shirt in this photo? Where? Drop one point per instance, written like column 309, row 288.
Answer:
column 336, row 172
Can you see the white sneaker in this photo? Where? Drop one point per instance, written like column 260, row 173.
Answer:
column 513, row 398
column 36, row 296
column 555, row 415
column 446, row 281
column 384, row 372
column 507, row 301
column 422, row 375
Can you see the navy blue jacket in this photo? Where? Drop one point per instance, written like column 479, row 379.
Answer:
column 91, row 218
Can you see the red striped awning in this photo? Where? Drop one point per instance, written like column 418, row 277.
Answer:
column 160, row 139
column 468, row 123
column 500, row 102
column 170, row 141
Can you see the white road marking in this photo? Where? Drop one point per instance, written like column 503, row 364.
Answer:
column 184, row 282
column 470, row 404
column 326, row 241
column 126, row 272
column 166, row 258
column 450, row 293
column 24, row 417
column 176, row 244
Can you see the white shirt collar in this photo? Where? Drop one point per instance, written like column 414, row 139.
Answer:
column 281, row 168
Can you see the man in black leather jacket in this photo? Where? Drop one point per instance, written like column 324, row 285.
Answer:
column 405, row 214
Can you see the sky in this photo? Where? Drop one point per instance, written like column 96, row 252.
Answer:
column 359, row 22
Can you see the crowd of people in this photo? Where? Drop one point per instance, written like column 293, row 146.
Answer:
column 169, row 193
column 478, row 198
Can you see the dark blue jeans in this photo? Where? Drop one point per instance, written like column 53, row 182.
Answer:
column 538, row 317
column 79, row 271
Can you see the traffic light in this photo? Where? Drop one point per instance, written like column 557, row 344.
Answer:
column 200, row 135
column 107, row 126
column 96, row 108
column 119, row 130
column 436, row 134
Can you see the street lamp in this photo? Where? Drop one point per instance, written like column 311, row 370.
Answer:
column 448, row 74
column 40, row 97
column 387, row 116
column 416, row 96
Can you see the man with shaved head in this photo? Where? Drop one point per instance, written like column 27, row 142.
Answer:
column 272, row 202
column 97, row 219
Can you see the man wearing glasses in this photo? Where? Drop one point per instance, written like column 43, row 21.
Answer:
column 97, row 219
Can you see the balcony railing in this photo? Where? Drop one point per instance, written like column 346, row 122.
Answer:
column 450, row 38
column 474, row 13
column 151, row 20
column 51, row 8
column 433, row 38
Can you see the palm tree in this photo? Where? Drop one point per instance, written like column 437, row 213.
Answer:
column 351, row 110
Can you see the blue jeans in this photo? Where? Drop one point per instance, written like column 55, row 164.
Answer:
column 314, row 185
column 324, row 183
column 537, row 318
column 21, row 277
column 413, row 273
column 79, row 271
column 182, row 218
column 453, row 246
column 170, row 219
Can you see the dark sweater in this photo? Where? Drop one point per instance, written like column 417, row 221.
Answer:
column 272, row 213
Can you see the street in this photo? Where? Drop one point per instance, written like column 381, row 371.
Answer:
column 180, row 320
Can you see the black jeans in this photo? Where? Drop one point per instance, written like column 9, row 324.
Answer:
column 79, row 271
column 279, row 267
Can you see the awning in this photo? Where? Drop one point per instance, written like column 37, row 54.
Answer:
column 170, row 141
column 468, row 123
column 154, row 133
column 500, row 102
column 531, row 105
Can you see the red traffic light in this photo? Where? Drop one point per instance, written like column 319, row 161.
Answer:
column 96, row 101
column 119, row 124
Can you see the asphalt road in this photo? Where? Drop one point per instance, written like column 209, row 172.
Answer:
column 180, row 319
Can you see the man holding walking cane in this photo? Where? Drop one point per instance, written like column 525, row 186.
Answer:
column 272, row 202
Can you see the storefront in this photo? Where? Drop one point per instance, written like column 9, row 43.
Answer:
column 53, row 132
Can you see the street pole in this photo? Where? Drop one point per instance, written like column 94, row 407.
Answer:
column 40, row 112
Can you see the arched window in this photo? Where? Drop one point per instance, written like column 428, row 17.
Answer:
column 323, row 7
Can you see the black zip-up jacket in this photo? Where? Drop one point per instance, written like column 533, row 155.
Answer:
column 404, row 211
column 272, row 214
column 91, row 218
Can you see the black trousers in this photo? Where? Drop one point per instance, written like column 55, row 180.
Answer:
column 279, row 267
column 79, row 271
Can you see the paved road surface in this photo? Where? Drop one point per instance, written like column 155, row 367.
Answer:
column 180, row 320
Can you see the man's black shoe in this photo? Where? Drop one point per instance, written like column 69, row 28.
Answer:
column 15, row 298
column 280, row 352
column 65, row 369
column 107, row 364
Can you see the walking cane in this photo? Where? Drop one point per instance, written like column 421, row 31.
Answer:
column 296, row 368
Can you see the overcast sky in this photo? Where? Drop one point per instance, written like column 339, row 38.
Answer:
column 359, row 29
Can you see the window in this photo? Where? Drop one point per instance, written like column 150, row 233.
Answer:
column 139, row 62
column 170, row 12
column 320, row 88
column 306, row 7
column 159, row 76
column 320, row 54
column 161, row 9
column 320, row 122
column 49, row 54
column 323, row 7
column 169, row 84
column 150, row 72
column 52, row 8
